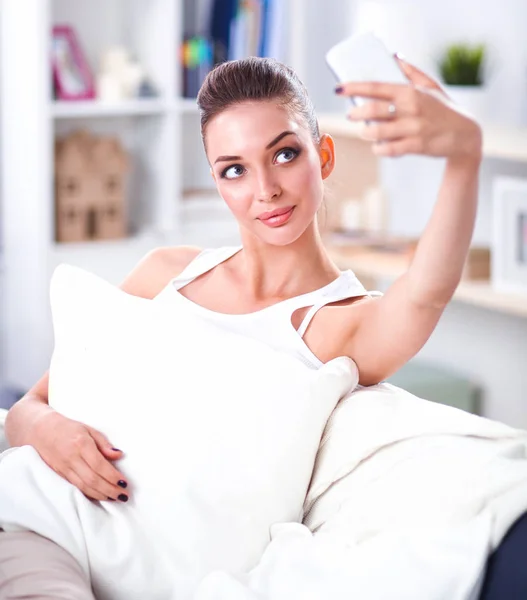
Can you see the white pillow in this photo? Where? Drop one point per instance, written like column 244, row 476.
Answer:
column 219, row 431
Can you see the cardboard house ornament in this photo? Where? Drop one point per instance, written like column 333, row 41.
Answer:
column 90, row 188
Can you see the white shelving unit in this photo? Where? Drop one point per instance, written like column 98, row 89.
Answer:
column 76, row 110
column 172, row 197
column 187, row 106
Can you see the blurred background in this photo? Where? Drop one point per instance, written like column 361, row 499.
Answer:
column 101, row 161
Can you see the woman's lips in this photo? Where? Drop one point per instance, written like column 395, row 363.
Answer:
column 277, row 217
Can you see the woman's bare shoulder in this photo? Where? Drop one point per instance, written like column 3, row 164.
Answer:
column 153, row 272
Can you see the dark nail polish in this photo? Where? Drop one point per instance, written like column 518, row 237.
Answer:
column 122, row 483
column 339, row 89
column 111, row 499
column 122, row 497
column 116, row 450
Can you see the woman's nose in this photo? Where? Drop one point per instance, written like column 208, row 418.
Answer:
column 268, row 188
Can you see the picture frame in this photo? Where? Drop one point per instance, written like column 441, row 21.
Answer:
column 509, row 236
column 72, row 76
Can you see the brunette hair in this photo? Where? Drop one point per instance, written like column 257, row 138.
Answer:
column 254, row 79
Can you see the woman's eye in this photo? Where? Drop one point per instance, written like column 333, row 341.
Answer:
column 286, row 155
column 233, row 172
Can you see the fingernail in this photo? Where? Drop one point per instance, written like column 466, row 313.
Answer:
column 122, row 483
column 122, row 497
column 339, row 89
column 399, row 55
column 116, row 450
column 112, row 499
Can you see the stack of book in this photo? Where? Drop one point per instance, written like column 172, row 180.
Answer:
column 230, row 30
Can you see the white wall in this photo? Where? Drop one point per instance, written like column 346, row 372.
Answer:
column 323, row 29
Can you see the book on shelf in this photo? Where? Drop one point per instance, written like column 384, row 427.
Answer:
column 230, row 30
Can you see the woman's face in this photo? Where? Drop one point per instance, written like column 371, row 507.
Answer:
column 268, row 169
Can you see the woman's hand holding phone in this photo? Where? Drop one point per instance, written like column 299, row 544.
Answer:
column 413, row 118
column 404, row 110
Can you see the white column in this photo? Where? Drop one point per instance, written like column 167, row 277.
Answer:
column 26, row 185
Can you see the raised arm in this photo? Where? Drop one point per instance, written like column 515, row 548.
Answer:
column 391, row 330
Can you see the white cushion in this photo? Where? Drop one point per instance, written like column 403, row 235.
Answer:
column 391, row 459
column 407, row 500
column 219, row 431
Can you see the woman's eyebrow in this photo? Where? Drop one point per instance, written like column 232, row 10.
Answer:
column 278, row 138
column 229, row 158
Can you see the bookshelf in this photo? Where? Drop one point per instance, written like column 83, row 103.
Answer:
column 172, row 198
column 89, row 108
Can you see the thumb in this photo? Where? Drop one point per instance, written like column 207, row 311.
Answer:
column 416, row 76
column 104, row 446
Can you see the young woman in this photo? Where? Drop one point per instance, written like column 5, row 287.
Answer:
column 269, row 162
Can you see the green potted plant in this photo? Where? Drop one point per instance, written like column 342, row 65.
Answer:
column 462, row 70
column 463, row 64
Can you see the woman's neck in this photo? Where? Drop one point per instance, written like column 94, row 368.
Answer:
column 270, row 271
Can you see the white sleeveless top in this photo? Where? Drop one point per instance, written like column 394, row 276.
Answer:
column 272, row 324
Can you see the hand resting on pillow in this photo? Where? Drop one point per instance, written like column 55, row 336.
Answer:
column 80, row 454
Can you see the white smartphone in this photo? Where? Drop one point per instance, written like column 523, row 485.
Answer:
column 364, row 57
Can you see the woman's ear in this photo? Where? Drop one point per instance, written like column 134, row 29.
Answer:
column 327, row 155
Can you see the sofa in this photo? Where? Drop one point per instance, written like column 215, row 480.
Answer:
column 505, row 575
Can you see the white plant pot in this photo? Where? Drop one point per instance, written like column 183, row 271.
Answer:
column 472, row 99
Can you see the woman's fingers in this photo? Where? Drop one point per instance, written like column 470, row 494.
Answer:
column 90, row 482
column 104, row 446
column 413, row 118
column 391, row 130
column 80, row 482
column 375, row 110
column 416, row 76
column 102, row 475
column 371, row 89
column 406, row 103
column 384, row 90
column 401, row 147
